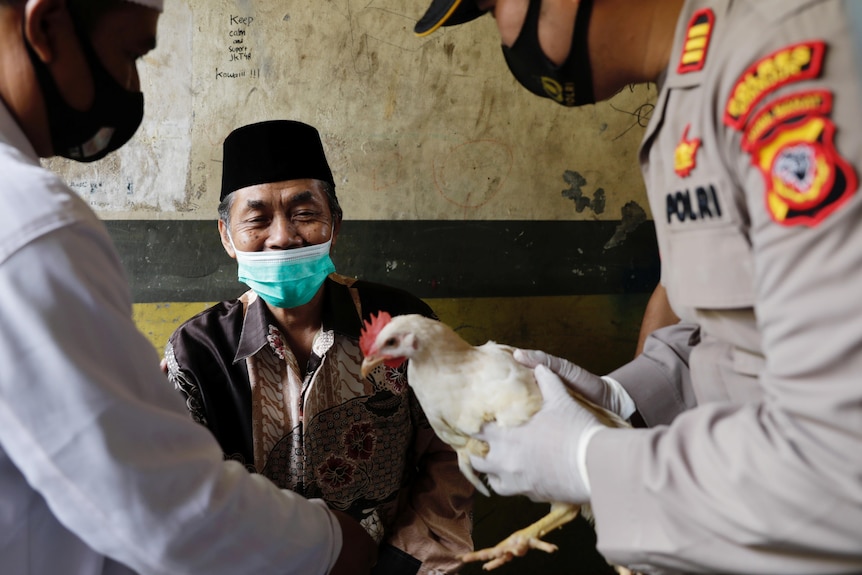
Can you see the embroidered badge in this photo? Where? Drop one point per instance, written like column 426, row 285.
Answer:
column 684, row 158
column 793, row 63
column 796, row 105
column 806, row 179
column 696, row 41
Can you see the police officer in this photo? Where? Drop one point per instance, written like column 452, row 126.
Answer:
column 752, row 161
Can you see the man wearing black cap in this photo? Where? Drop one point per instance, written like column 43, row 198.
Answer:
column 275, row 374
column 752, row 162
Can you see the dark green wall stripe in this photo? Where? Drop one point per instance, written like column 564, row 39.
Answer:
column 182, row 260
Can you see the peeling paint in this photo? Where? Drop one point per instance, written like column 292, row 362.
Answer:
column 576, row 193
column 632, row 216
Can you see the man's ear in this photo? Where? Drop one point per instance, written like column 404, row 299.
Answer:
column 225, row 241
column 44, row 19
column 51, row 33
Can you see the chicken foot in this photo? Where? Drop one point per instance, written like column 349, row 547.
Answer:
column 518, row 543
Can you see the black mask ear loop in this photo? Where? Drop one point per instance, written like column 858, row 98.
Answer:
column 570, row 83
column 583, row 74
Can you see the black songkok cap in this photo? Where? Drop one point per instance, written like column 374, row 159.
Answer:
column 272, row 151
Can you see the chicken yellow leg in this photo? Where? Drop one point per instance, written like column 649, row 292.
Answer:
column 518, row 543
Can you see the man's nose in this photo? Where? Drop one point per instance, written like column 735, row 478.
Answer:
column 283, row 235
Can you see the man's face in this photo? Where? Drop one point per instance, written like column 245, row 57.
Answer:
column 279, row 216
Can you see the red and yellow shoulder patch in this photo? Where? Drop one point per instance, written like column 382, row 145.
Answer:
column 790, row 64
column 806, row 179
column 696, row 44
column 796, row 105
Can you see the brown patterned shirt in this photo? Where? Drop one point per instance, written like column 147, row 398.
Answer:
column 362, row 445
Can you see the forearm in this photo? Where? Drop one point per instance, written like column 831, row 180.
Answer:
column 86, row 417
column 658, row 314
column 724, row 489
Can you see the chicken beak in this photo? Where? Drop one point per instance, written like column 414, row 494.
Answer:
column 368, row 365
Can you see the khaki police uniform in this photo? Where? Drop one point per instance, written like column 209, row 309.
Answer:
column 752, row 162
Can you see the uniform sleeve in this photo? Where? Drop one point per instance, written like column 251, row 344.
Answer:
column 772, row 486
column 435, row 524
column 658, row 380
column 86, row 417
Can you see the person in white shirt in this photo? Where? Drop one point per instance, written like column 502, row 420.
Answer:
column 101, row 469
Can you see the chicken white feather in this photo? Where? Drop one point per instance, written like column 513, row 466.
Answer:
column 460, row 387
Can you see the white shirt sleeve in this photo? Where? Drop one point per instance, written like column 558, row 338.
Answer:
column 88, row 419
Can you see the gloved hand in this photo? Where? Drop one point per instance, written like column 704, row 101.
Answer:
column 544, row 458
column 603, row 391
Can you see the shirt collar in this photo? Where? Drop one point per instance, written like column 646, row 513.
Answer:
column 339, row 315
column 12, row 134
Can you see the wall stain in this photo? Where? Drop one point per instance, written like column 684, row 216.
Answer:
column 576, row 193
column 632, row 216
column 449, row 47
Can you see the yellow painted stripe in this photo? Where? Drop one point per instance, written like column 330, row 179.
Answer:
column 158, row 321
column 599, row 331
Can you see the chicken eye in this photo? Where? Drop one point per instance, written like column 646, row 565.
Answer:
column 390, row 342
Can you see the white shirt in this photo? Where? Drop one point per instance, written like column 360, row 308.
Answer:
column 102, row 471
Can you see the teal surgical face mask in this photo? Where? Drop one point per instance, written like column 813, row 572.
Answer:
column 285, row 278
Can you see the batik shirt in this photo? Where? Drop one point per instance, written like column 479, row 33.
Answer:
column 363, row 445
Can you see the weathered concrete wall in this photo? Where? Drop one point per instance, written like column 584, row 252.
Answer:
column 414, row 128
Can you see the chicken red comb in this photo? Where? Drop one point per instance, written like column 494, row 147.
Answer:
column 370, row 329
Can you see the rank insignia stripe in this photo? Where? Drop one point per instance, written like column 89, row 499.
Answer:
column 685, row 155
column 806, row 179
column 794, row 63
column 787, row 108
column 696, row 44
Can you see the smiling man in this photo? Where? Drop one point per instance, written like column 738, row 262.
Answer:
column 101, row 470
column 276, row 373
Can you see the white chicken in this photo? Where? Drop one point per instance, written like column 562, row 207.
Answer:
column 460, row 387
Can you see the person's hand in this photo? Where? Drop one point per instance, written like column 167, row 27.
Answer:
column 358, row 550
column 602, row 391
column 543, row 458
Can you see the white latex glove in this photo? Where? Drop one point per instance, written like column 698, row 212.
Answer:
column 544, row 458
column 603, row 391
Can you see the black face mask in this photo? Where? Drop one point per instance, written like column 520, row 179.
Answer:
column 110, row 122
column 571, row 83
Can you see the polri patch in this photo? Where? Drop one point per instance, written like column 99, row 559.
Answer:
column 685, row 155
column 796, row 105
column 793, row 63
column 697, row 39
column 806, row 179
